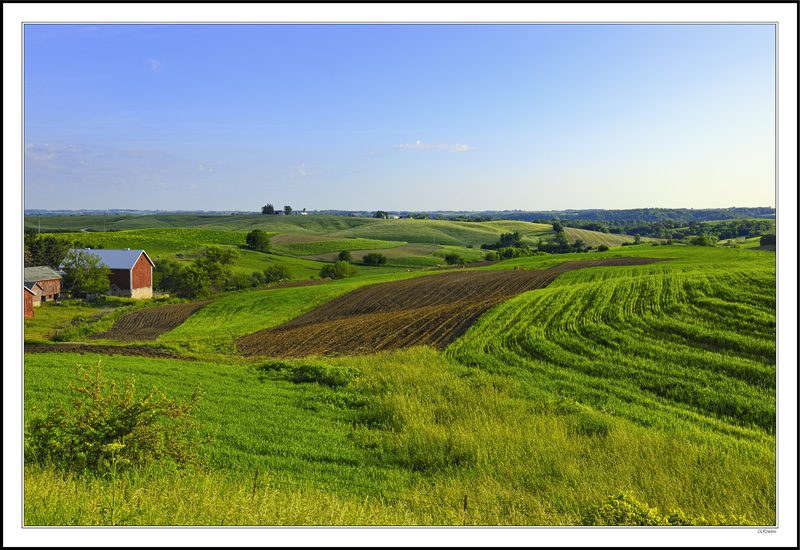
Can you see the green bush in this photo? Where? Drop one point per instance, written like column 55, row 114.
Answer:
column 338, row 270
column 453, row 258
column 623, row 509
column 374, row 258
column 258, row 239
column 106, row 421
column 345, row 256
column 309, row 372
column 602, row 248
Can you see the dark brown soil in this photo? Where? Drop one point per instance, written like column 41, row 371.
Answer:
column 431, row 310
column 133, row 351
column 148, row 324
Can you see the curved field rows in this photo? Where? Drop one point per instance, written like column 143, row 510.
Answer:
column 432, row 310
column 148, row 324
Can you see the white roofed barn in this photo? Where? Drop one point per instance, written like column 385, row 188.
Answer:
column 131, row 271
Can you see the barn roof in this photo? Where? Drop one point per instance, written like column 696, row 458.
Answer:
column 40, row 273
column 25, row 286
column 117, row 258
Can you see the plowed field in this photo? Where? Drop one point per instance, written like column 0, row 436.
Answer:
column 148, row 324
column 432, row 310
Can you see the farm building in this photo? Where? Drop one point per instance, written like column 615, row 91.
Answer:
column 28, row 295
column 49, row 282
column 131, row 271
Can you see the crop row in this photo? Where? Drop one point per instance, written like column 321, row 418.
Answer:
column 684, row 339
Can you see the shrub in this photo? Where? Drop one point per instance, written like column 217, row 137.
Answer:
column 490, row 256
column 105, row 420
column 767, row 240
column 338, row 270
column 273, row 274
column 374, row 258
column 602, row 248
column 623, row 509
column 345, row 256
column 453, row 258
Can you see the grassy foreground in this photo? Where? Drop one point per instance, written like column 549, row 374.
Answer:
column 656, row 380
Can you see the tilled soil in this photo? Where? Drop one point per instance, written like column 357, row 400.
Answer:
column 433, row 310
column 133, row 351
column 148, row 324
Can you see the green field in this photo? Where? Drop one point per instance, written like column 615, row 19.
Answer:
column 657, row 379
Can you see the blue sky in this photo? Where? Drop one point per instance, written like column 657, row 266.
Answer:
column 399, row 117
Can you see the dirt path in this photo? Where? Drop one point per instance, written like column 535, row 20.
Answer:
column 432, row 310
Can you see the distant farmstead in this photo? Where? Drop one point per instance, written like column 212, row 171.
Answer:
column 131, row 271
column 44, row 281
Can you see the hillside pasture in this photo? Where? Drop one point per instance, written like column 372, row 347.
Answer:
column 596, row 238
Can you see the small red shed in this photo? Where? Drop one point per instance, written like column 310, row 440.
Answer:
column 48, row 281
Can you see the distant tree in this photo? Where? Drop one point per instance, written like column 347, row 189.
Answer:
column 637, row 239
column 453, row 258
column 513, row 240
column 602, row 248
column 338, row 270
column 29, row 258
column 287, row 210
column 268, row 209
column 258, row 240
column 374, row 258
column 768, row 240
column 85, row 273
column 239, row 281
column 380, row 214
column 557, row 227
column 345, row 256
column 579, row 245
column 273, row 274
column 490, row 256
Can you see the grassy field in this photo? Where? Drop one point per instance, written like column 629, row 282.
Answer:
column 658, row 379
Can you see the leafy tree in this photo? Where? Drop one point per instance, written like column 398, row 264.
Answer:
column 85, row 273
column 768, row 240
column 637, row 239
column 273, row 274
column 380, row 214
column 557, row 227
column 218, row 265
column 167, row 275
column 374, row 258
column 490, row 256
column 49, row 250
column 345, row 256
column 195, row 282
column 602, row 248
column 513, row 240
column 258, row 240
column 287, row 210
column 579, row 245
column 338, row 270
column 268, row 209
column 453, row 258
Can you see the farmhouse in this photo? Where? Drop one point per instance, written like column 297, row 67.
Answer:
column 28, row 295
column 131, row 271
column 48, row 281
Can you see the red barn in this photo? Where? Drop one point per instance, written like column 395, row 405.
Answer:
column 28, row 296
column 131, row 271
column 49, row 282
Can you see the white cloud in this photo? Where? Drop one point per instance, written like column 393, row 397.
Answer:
column 301, row 170
column 157, row 65
column 47, row 151
column 457, row 148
